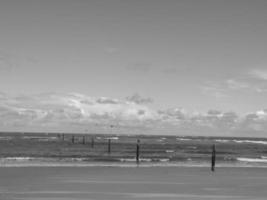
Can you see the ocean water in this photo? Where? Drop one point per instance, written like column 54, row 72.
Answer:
column 35, row 149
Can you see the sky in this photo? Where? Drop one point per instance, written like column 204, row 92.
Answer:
column 186, row 67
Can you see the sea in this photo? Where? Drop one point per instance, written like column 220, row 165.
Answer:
column 85, row 150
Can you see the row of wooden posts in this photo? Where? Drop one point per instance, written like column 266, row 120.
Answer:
column 83, row 140
column 213, row 152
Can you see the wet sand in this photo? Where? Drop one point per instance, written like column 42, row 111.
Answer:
column 137, row 183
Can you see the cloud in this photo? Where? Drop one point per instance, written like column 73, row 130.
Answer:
column 59, row 109
column 247, row 85
column 259, row 74
column 217, row 121
column 256, row 121
column 136, row 98
column 173, row 115
column 77, row 112
column 214, row 112
column 214, row 89
column 225, row 88
column 236, row 85
column 105, row 100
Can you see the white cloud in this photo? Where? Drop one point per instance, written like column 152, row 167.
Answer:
column 214, row 90
column 236, row 85
column 75, row 108
column 76, row 112
column 256, row 121
column 259, row 74
column 105, row 100
column 226, row 88
column 136, row 98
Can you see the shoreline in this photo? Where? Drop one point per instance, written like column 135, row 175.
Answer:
column 129, row 165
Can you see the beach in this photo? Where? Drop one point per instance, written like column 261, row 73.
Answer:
column 53, row 167
column 130, row 183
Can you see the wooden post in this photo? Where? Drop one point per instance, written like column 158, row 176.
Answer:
column 92, row 142
column 109, row 145
column 213, row 158
column 137, row 151
column 83, row 139
column 63, row 136
column 73, row 139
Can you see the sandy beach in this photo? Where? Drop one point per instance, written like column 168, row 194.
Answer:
column 123, row 183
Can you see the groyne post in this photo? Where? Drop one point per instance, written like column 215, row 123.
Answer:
column 109, row 145
column 83, row 139
column 92, row 142
column 73, row 139
column 213, row 158
column 137, row 151
column 63, row 137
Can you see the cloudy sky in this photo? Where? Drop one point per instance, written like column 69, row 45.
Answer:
column 142, row 66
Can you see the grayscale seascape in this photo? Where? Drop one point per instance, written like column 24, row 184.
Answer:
column 133, row 99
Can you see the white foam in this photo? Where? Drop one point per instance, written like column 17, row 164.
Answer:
column 112, row 138
column 34, row 163
column 17, row 158
column 6, row 138
column 40, row 138
column 221, row 140
column 183, row 139
column 255, row 160
column 242, row 141
column 128, row 160
column 192, row 147
column 251, row 141
column 164, row 160
column 169, row 151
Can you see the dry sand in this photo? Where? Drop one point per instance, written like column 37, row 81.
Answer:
column 139, row 183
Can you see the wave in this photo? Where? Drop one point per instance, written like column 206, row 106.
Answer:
column 42, row 162
column 183, row 139
column 222, row 140
column 39, row 138
column 253, row 160
column 145, row 160
column 42, row 159
column 85, row 162
column 251, row 141
column 6, row 138
column 242, row 141
column 126, row 162
column 112, row 138
column 17, row 158
column 169, row 151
